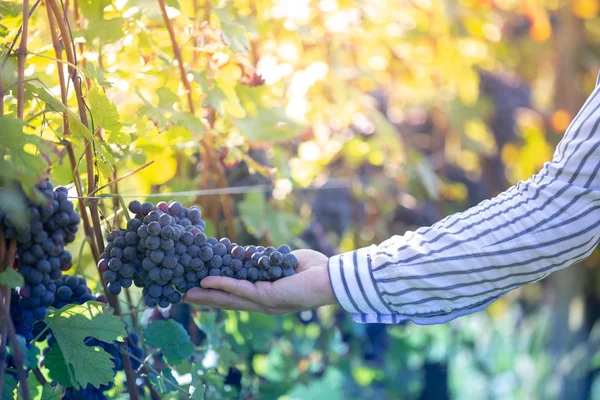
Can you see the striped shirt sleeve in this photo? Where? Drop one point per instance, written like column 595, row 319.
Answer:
column 470, row 259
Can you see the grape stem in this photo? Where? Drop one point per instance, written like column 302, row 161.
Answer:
column 2, row 338
column 154, row 371
column 18, row 356
column 22, row 53
column 127, row 175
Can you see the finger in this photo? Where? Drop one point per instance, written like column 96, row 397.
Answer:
column 236, row 287
column 220, row 299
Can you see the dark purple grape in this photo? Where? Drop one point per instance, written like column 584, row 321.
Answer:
column 290, row 261
column 220, row 249
column 242, row 274
column 216, row 261
column 288, row 272
column 227, row 272
column 114, row 288
column 284, row 249
column 264, row 263
column 236, row 265
column 135, row 207
column 275, row 258
column 214, row 272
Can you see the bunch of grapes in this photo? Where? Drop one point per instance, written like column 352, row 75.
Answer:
column 164, row 251
column 41, row 254
column 73, row 290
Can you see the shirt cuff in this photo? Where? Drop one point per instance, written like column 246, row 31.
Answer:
column 355, row 289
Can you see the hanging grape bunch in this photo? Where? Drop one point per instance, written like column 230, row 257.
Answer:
column 40, row 252
column 164, row 251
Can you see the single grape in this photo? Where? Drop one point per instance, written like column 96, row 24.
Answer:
column 163, row 302
column 236, row 265
column 226, row 242
column 64, row 293
column 212, row 241
column 264, row 263
column 187, row 238
column 227, row 272
column 117, row 252
column 288, row 272
column 220, row 249
column 200, row 239
column 151, row 301
column 167, row 232
column 165, row 220
column 196, row 264
column 154, row 274
column 109, row 276
column 133, row 225
column 166, row 274
column 284, row 249
column 152, row 242
column 238, row 252
column 157, row 256
column 114, row 288
column 163, row 206
column 170, row 261
column 155, row 290
column 154, row 228
column 135, row 207
column 143, row 232
column 275, row 258
column 275, row 272
column 290, row 261
column 227, row 258
column 216, row 261
column 206, row 253
column 242, row 274
column 127, row 271
column 214, row 272
column 114, row 264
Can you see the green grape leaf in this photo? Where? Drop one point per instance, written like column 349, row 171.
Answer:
column 107, row 30
column 207, row 321
column 165, row 115
column 171, row 338
column 197, row 389
column 82, row 364
column 328, row 387
column 173, row 4
column 93, row 9
column 52, row 392
column 35, row 388
column 96, row 75
column 160, row 381
column 106, row 116
column 234, row 33
column 11, row 278
column 9, row 386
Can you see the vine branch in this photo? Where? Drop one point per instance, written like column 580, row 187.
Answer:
column 21, row 61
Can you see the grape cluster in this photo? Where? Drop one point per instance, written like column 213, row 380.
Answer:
column 41, row 254
column 164, row 250
column 72, row 290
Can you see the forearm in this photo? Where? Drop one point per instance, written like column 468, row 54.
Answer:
column 470, row 259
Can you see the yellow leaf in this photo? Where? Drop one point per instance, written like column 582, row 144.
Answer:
column 585, row 9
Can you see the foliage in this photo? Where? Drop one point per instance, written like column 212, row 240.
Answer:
column 390, row 99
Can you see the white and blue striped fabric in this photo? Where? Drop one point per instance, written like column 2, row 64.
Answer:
column 468, row 260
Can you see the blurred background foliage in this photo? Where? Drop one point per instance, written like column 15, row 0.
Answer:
column 340, row 123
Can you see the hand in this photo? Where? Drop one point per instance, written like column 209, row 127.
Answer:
column 307, row 289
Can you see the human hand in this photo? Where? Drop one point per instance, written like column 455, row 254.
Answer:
column 307, row 289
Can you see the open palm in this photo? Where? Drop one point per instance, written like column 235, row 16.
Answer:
column 308, row 288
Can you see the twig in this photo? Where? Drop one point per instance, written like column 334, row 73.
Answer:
column 151, row 369
column 11, row 253
column 14, row 42
column 18, row 356
column 40, row 378
column 2, row 248
column 21, row 61
column 84, row 119
column 71, row 154
column 127, row 175
column 2, row 338
column 177, row 54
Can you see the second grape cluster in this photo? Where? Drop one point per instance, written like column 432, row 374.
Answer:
column 164, row 251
